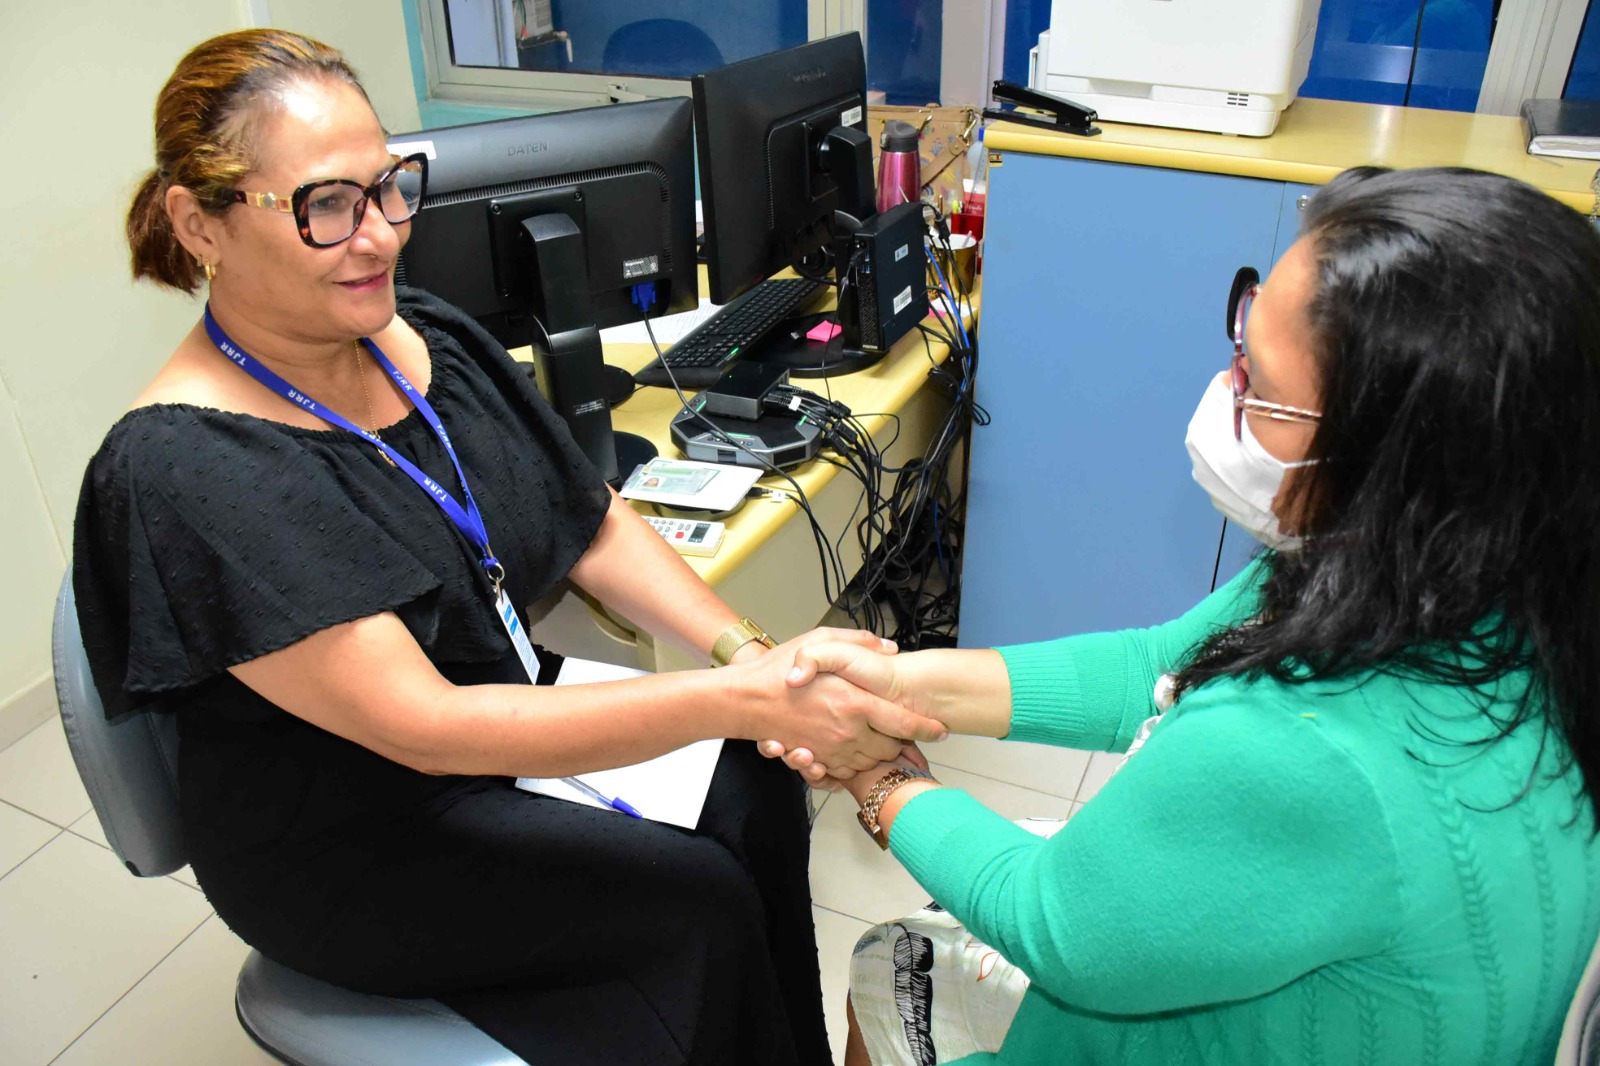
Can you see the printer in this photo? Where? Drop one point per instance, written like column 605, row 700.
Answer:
column 1226, row 66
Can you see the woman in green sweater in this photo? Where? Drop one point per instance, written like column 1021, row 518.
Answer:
column 1357, row 824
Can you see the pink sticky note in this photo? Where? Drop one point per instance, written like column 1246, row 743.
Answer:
column 823, row 331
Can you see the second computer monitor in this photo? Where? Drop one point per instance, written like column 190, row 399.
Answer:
column 771, row 180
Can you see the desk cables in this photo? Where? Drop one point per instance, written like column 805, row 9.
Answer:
column 909, row 534
column 918, row 567
column 833, row 577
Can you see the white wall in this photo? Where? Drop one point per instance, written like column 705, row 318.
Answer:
column 81, row 338
column 372, row 35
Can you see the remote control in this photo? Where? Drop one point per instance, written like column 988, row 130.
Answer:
column 689, row 537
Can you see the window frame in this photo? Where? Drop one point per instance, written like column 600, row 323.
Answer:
column 1530, row 56
column 1531, row 53
column 550, row 91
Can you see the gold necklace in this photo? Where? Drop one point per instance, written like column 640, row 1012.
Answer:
column 372, row 420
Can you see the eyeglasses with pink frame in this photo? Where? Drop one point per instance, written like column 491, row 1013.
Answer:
column 1246, row 284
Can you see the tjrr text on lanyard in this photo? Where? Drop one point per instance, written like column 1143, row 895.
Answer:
column 468, row 519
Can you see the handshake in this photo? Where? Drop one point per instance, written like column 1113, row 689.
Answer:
column 832, row 703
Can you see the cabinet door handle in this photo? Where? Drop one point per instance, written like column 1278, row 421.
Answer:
column 1301, row 203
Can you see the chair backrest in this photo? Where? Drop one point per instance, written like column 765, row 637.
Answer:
column 1580, row 1038
column 129, row 766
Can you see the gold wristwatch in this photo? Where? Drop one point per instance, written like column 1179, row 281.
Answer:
column 868, row 814
column 735, row 637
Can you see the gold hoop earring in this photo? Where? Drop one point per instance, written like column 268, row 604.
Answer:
column 209, row 270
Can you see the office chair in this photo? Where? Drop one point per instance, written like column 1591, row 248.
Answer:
column 1580, row 1038
column 129, row 768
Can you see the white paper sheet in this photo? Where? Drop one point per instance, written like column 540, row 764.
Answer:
column 669, row 329
column 670, row 788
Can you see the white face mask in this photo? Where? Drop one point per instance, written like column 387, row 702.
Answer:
column 1240, row 476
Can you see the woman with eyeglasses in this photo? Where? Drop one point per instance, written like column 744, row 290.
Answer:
column 1356, row 818
column 308, row 539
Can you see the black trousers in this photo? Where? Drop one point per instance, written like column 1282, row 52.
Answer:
column 576, row 935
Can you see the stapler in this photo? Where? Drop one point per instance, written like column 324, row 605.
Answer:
column 1062, row 115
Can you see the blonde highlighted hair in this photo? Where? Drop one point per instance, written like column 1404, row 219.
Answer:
column 203, row 123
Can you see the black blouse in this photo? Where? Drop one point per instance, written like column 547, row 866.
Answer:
column 206, row 538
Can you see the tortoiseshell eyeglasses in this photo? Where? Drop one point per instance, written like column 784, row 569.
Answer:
column 330, row 211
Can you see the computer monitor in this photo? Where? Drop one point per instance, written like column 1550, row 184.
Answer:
column 785, row 170
column 548, row 228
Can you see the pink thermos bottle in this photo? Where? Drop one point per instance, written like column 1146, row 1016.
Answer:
column 899, row 166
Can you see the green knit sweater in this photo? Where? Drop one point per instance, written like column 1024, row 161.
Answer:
column 1283, row 873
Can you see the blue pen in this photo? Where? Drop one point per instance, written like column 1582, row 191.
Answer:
column 594, row 793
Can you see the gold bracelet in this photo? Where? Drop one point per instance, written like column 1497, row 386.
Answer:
column 878, row 794
column 736, row 636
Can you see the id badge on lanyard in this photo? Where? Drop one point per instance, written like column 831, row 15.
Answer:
column 507, row 613
column 468, row 519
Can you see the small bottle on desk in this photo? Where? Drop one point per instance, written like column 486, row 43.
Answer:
column 968, row 218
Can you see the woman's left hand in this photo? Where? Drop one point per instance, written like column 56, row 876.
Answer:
column 852, row 781
column 772, row 749
column 861, row 783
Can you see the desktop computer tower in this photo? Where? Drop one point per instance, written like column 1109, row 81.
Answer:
column 883, row 288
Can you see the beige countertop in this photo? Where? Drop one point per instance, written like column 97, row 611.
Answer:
column 1316, row 139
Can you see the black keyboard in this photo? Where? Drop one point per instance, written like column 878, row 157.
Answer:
column 700, row 357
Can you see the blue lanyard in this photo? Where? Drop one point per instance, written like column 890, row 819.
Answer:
column 469, row 519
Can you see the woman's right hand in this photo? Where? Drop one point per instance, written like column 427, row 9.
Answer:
column 967, row 690
column 845, row 727
column 858, row 665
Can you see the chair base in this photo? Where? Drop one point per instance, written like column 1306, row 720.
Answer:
column 301, row 1021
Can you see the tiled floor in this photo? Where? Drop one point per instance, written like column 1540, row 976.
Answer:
column 98, row 967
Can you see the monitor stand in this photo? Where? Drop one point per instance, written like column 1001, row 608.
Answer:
column 630, row 449
column 788, row 346
column 572, row 368
column 633, row 451
column 616, row 385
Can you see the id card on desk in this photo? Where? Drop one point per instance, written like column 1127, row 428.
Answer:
column 671, row 478
column 691, row 485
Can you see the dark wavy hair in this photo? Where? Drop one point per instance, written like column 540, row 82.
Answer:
column 1453, row 521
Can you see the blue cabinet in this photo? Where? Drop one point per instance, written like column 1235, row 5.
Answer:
column 1105, row 292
